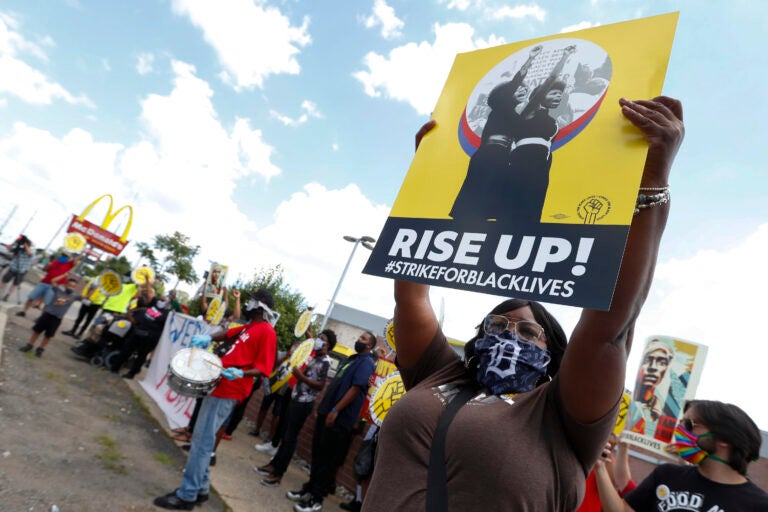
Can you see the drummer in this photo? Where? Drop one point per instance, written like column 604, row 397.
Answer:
column 251, row 355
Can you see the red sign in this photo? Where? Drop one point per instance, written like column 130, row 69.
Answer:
column 96, row 236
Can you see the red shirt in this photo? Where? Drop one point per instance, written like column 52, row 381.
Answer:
column 255, row 348
column 591, row 501
column 56, row 269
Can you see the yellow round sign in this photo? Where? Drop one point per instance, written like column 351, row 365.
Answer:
column 621, row 419
column 385, row 396
column 302, row 324
column 389, row 334
column 302, row 353
column 143, row 275
column 215, row 310
column 110, row 283
column 74, row 243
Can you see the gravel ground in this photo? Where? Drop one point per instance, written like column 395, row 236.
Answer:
column 76, row 436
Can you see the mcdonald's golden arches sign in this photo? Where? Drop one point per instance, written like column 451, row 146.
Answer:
column 97, row 235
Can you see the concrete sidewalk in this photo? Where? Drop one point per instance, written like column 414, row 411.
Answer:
column 233, row 477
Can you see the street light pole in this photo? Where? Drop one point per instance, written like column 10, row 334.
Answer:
column 367, row 242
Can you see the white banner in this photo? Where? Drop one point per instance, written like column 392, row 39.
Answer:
column 177, row 333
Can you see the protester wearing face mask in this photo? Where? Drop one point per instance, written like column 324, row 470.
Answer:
column 336, row 416
column 524, row 418
column 56, row 273
column 252, row 355
column 310, row 381
column 718, row 441
column 148, row 323
column 49, row 321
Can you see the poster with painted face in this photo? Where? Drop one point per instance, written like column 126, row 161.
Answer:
column 215, row 282
column 669, row 373
column 527, row 185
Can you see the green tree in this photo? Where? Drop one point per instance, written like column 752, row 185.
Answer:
column 178, row 256
column 120, row 264
column 170, row 254
column 146, row 253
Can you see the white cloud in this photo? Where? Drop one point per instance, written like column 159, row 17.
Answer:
column 384, row 15
column 105, row 64
column 461, row 5
column 179, row 176
column 334, row 147
column 517, row 12
column 145, row 63
column 252, row 40
column 19, row 78
column 308, row 108
column 579, row 26
column 716, row 297
column 415, row 73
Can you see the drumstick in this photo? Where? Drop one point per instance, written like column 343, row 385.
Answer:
column 214, row 363
column 191, row 356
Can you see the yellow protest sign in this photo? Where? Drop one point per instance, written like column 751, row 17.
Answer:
column 389, row 334
column 215, row 312
column 385, row 396
column 621, row 419
column 143, row 275
column 527, row 185
column 302, row 324
column 298, row 359
column 110, row 283
column 74, row 243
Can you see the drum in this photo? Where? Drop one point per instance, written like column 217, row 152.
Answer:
column 194, row 372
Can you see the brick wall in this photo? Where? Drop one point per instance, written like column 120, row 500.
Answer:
column 345, row 477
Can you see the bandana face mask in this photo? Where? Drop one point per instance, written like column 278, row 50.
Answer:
column 507, row 364
column 270, row 316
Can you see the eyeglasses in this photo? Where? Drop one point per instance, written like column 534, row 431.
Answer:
column 523, row 329
column 688, row 423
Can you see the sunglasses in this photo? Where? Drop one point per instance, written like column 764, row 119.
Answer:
column 688, row 424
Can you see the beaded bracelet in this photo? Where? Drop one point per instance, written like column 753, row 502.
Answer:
column 651, row 200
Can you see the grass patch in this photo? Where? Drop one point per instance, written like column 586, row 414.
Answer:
column 113, row 418
column 141, row 405
column 110, row 456
column 163, row 459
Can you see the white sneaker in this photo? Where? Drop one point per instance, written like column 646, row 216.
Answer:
column 308, row 506
column 266, row 448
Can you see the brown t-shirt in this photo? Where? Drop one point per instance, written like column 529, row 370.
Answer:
column 502, row 454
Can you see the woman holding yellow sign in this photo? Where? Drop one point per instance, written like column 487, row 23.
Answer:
column 539, row 412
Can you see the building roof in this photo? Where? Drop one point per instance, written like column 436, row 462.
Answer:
column 764, row 446
column 358, row 318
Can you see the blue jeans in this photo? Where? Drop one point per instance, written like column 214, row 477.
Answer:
column 197, row 478
column 43, row 290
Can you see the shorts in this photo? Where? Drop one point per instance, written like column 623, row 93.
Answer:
column 43, row 290
column 15, row 275
column 47, row 323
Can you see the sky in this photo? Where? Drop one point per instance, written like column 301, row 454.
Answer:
column 268, row 130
